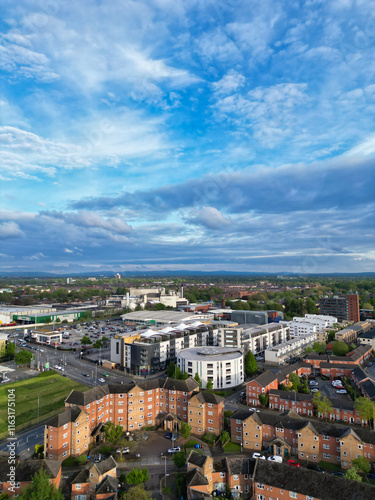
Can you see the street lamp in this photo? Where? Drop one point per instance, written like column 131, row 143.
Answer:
column 165, row 470
column 241, row 446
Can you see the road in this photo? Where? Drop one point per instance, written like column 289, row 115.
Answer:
column 26, row 440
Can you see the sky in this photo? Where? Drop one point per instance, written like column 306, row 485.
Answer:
column 201, row 135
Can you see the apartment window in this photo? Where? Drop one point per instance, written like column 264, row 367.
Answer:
column 64, row 454
column 292, row 494
column 309, row 498
column 260, row 486
column 325, row 455
column 326, row 446
column 78, row 486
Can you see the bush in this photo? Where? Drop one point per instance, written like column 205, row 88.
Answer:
column 209, row 438
column 105, row 449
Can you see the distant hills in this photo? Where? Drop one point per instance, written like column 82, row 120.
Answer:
column 182, row 272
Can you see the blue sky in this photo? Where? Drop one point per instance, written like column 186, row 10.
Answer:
column 200, row 135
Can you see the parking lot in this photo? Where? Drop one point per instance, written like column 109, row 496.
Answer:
column 328, row 390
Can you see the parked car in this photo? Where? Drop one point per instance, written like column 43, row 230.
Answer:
column 313, row 382
column 338, row 474
column 98, row 458
column 123, row 450
column 341, row 391
column 86, row 375
column 258, row 455
column 254, row 409
column 102, row 380
column 293, row 462
column 168, row 435
column 275, row 458
column 315, row 467
column 315, row 389
column 175, row 436
column 175, row 449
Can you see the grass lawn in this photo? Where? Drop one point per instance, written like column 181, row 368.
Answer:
column 191, row 443
column 327, row 466
column 232, row 447
column 52, row 390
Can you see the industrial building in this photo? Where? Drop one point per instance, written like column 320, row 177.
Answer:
column 223, row 366
column 257, row 317
column 141, row 296
column 10, row 314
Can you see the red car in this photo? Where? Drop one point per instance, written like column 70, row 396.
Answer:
column 294, row 463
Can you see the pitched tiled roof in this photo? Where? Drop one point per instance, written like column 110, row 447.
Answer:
column 239, row 465
column 195, row 478
column 208, row 397
column 84, row 398
column 107, row 485
column 196, row 459
column 292, row 395
column 187, row 385
column 81, row 476
column 68, row 415
column 26, row 469
column 311, row 483
column 265, row 378
column 105, row 466
column 359, row 374
column 369, row 387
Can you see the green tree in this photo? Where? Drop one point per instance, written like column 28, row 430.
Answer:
column 23, row 357
column 251, row 366
column 41, row 488
column 331, row 336
column 171, row 370
column 319, row 348
column 10, row 350
column 137, row 476
column 362, row 464
column 263, row 399
column 294, row 380
column 210, row 385
column 185, row 430
column 353, row 475
column 225, row 437
column 105, row 339
column 178, row 373
column 322, row 404
column 85, row 340
column 98, row 344
column 365, row 408
column 179, row 459
column 122, row 478
column 137, row 493
column 113, row 432
column 185, row 375
column 340, row 348
column 198, row 379
column 308, row 350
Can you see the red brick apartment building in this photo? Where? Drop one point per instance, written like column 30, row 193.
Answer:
column 342, row 410
column 206, row 475
column 289, row 434
column 359, row 356
column 164, row 402
column 260, row 385
column 24, row 473
column 273, row 481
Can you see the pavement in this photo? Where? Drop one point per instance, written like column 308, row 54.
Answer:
column 26, row 441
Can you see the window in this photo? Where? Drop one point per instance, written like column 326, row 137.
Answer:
column 260, row 486
column 78, row 486
column 292, row 494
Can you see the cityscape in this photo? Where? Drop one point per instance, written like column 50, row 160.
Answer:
column 187, row 280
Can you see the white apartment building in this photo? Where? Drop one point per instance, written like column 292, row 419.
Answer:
column 223, row 366
column 281, row 353
column 309, row 324
column 252, row 337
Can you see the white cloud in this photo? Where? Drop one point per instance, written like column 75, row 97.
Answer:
column 10, row 230
column 209, row 217
column 230, row 83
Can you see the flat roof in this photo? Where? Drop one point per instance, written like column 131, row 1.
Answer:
column 207, row 353
column 167, row 316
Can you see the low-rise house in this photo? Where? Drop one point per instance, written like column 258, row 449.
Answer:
column 285, row 400
column 206, row 475
column 273, row 480
column 24, row 472
column 260, row 385
column 96, row 482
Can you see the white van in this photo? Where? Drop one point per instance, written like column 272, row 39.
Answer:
column 275, row 458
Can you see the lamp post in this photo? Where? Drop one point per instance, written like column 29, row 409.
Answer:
column 165, row 470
